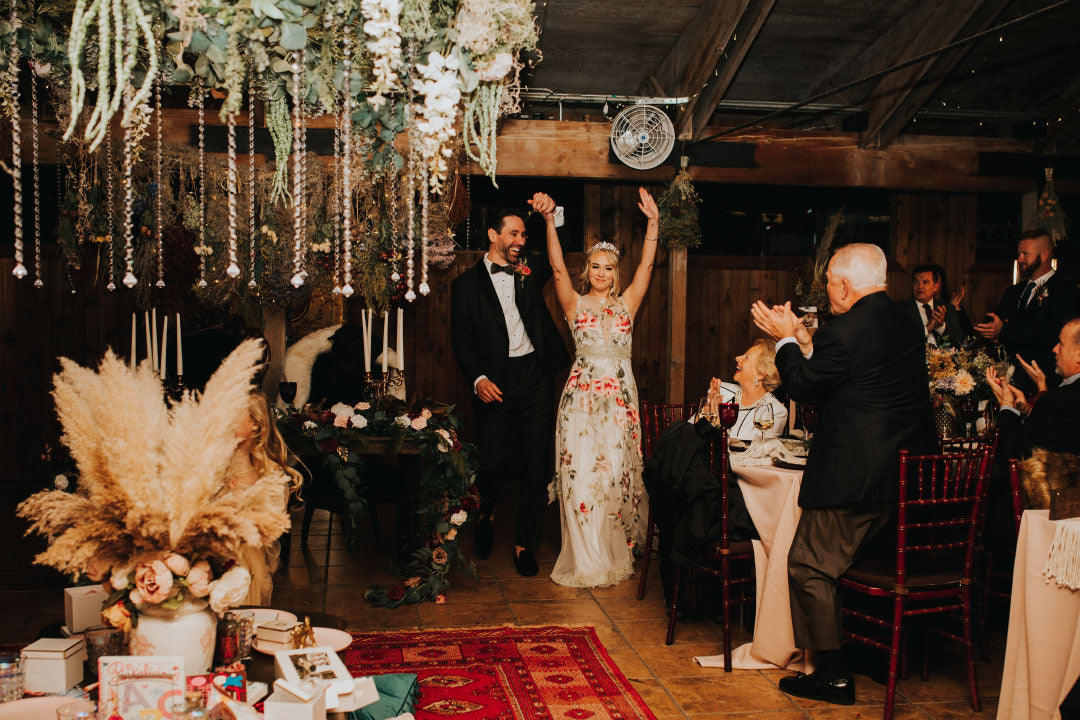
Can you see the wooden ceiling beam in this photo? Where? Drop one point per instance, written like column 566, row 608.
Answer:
column 1062, row 136
column 748, row 27
column 898, row 96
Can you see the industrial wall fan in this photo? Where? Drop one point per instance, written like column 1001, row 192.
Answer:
column 642, row 136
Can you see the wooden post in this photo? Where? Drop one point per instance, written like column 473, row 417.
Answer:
column 676, row 326
column 274, row 331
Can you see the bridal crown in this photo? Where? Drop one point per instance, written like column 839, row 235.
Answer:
column 604, row 246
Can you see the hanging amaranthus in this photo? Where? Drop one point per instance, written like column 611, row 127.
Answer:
column 123, row 31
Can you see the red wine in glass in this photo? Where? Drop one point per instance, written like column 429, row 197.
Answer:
column 729, row 414
column 809, row 415
column 287, row 391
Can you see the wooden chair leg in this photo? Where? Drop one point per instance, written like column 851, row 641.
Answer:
column 969, row 647
column 305, row 525
column 894, row 656
column 286, row 546
column 670, row 638
column 645, row 558
column 725, row 599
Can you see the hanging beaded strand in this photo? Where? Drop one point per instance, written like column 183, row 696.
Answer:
column 158, row 236
column 233, row 271
column 335, row 204
column 130, row 280
column 199, row 103
column 424, row 195
column 392, row 181
column 303, row 185
column 346, row 167
column 19, row 271
column 109, row 182
column 252, row 283
column 298, row 187
column 38, row 283
column 410, row 231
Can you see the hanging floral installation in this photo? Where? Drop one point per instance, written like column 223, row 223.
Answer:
column 1051, row 217
column 413, row 86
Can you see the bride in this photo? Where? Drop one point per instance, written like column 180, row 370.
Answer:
column 598, row 432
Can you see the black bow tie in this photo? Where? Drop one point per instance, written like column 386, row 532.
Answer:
column 508, row 269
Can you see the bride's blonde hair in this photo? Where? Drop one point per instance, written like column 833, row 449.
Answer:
column 269, row 453
column 586, row 286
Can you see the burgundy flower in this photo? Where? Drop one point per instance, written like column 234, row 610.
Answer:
column 329, row 445
column 396, row 592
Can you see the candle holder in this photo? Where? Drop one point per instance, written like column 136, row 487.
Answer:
column 376, row 386
column 173, row 387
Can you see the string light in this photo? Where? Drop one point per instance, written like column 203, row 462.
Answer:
column 19, row 271
column 157, row 181
column 202, row 185
column 252, row 283
column 38, row 283
column 346, row 166
column 112, row 211
column 233, row 270
column 298, row 188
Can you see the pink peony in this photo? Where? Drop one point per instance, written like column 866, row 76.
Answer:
column 178, row 564
column 419, row 423
column 362, row 406
column 198, row 579
column 136, row 597
column 154, row 581
column 426, row 414
column 341, row 421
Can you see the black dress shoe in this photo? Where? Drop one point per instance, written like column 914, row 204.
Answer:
column 484, row 537
column 526, row 563
column 838, row 691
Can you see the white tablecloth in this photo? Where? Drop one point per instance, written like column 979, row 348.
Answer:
column 772, row 499
column 1042, row 654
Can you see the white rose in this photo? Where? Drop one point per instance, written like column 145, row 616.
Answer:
column 178, row 564
column 359, row 421
column 403, row 420
column 362, row 405
column 459, row 517
column 230, row 589
column 343, row 410
column 119, row 578
column 136, row 597
column 310, row 425
column 60, row 481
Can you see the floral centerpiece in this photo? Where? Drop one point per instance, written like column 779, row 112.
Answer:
column 147, row 516
column 957, row 376
column 448, row 497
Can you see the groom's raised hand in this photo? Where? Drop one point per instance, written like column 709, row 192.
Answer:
column 543, row 204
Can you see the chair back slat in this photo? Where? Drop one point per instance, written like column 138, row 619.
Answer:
column 656, row 416
column 719, row 463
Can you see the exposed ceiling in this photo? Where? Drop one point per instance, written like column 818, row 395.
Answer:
column 724, row 52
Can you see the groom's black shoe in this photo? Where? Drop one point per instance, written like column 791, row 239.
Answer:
column 526, row 563
column 837, row 690
column 484, row 537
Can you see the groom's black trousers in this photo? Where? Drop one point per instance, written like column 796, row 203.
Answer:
column 515, row 438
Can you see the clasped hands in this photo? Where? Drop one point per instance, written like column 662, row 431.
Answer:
column 1005, row 393
column 779, row 321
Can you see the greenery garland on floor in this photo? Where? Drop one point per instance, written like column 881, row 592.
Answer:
column 448, row 495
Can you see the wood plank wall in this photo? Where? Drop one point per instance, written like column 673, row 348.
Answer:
column 37, row 327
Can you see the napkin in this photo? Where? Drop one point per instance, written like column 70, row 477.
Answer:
column 1063, row 560
column 397, row 696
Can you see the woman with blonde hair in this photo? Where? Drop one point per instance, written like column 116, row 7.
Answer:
column 261, row 452
column 755, row 378
column 598, row 432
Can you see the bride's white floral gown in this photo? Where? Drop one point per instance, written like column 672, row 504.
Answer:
column 598, row 481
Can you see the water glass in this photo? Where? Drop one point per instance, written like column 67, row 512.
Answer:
column 77, row 710
column 102, row 642
column 245, row 631
column 11, row 677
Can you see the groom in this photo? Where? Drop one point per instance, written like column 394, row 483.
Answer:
column 509, row 350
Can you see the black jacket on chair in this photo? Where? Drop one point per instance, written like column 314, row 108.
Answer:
column 867, row 376
column 1032, row 332
column 478, row 327
column 954, row 327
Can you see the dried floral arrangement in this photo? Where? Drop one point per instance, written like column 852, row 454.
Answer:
column 148, row 515
column 1051, row 217
column 679, row 212
column 810, row 285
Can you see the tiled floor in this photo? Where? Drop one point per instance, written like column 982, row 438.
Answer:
column 333, row 580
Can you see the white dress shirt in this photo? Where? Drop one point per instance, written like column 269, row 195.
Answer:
column 932, row 340
column 520, row 344
column 1039, row 282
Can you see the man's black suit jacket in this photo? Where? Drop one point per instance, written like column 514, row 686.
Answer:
column 478, row 327
column 867, row 376
column 954, row 328
column 1053, row 424
column 1032, row 332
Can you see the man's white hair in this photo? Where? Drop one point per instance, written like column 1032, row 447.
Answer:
column 864, row 265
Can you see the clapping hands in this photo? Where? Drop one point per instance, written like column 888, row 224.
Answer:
column 1007, row 395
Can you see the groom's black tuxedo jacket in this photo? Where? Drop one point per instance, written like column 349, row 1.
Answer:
column 478, row 327
column 1032, row 331
column 867, row 376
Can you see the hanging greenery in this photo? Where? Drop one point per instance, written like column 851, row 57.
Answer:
column 679, row 212
column 1051, row 217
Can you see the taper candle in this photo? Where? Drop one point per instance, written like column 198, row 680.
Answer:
column 131, row 358
column 179, row 349
column 164, row 347
column 146, row 322
column 385, row 338
column 400, row 339
column 153, row 338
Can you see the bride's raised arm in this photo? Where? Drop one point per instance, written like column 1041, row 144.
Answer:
column 635, row 293
column 564, row 288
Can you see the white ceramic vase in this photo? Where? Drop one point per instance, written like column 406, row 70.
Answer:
column 189, row 631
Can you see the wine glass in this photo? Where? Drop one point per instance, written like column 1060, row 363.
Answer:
column 287, row 391
column 763, row 418
column 729, row 414
column 707, row 410
column 809, row 415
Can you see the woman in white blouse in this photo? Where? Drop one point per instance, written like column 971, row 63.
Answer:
column 755, row 377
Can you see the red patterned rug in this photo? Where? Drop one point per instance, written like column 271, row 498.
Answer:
column 507, row 673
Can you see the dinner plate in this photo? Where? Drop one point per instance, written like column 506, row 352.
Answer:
column 33, row 708
column 777, row 462
column 324, row 637
column 265, row 615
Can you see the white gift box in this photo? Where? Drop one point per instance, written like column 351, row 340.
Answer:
column 82, row 607
column 53, row 665
column 284, row 705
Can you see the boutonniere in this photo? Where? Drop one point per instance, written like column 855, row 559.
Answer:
column 522, row 270
column 1044, row 292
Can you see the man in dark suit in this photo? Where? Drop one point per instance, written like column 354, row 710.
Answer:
column 1052, row 422
column 938, row 320
column 510, row 351
column 865, row 369
column 1032, row 312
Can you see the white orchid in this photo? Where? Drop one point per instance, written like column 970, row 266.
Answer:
column 384, row 44
column 435, row 118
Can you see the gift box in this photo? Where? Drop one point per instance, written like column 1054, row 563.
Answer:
column 82, row 607
column 275, row 631
column 283, row 705
column 53, row 665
